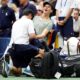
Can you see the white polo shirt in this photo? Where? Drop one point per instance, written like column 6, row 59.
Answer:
column 21, row 30
column 63, row 6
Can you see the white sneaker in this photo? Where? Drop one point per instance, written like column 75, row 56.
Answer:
column 5, row 70
column 28, row 72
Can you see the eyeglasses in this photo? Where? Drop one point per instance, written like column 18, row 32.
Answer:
column 40, row 10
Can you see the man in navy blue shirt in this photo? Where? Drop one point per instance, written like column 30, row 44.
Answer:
column 16, row 2
column 7, row 17
column 24, row 4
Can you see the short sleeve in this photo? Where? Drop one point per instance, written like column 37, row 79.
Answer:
column 58, row 6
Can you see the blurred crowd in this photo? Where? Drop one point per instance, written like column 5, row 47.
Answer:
column 36, row 26
column 11, row 10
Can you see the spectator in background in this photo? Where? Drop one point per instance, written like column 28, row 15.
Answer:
column 7, row 18
column 43, row 23
column 25, row 4
column 64, row 19
column 76, row 22
column 64, row 10
column 39, row 11
column 39, row 5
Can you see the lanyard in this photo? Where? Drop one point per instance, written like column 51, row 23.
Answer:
column 64, row 3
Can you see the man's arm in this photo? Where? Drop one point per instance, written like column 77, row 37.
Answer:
column 43, row 34
column 40, row 36
column 57, row 7
column 62, row 22
column 57, row 14
column 68, row 15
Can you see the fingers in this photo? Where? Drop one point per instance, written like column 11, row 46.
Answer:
column 41, row 53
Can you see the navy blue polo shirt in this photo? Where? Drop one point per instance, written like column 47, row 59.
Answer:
column 7, row 17
column 28, row 6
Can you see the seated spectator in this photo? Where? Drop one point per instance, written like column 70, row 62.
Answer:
column 7, row 18
column 43, row 23
column 22, row 51
column 76, row 22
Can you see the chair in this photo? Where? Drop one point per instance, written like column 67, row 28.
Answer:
column 3, row 45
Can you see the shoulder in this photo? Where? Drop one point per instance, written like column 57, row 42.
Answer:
column 27, row 21
column 16, row 22
column 30, row 21
column 36, row 17
column 32, row 5
column 11, row 10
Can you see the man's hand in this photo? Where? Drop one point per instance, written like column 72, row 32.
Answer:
column 61, row 23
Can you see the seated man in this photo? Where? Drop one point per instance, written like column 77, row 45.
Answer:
column 43, row 24
column 22, row 51
column 76, row 22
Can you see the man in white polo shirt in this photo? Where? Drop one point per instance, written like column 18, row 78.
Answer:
column 64, row 10
column 22, row 51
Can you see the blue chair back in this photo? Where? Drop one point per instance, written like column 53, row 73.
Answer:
column 3, row 45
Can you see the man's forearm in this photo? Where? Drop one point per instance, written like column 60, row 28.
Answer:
column 57, row 14
column 68, row 15
column 36, row 36
column 40, row 36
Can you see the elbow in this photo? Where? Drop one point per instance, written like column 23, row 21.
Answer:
column 43, row 35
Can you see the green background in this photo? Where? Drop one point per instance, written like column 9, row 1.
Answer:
column 32, row 78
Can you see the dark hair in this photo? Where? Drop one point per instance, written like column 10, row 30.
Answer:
column 27, row 12
column 76, row 9
column 48, row 3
